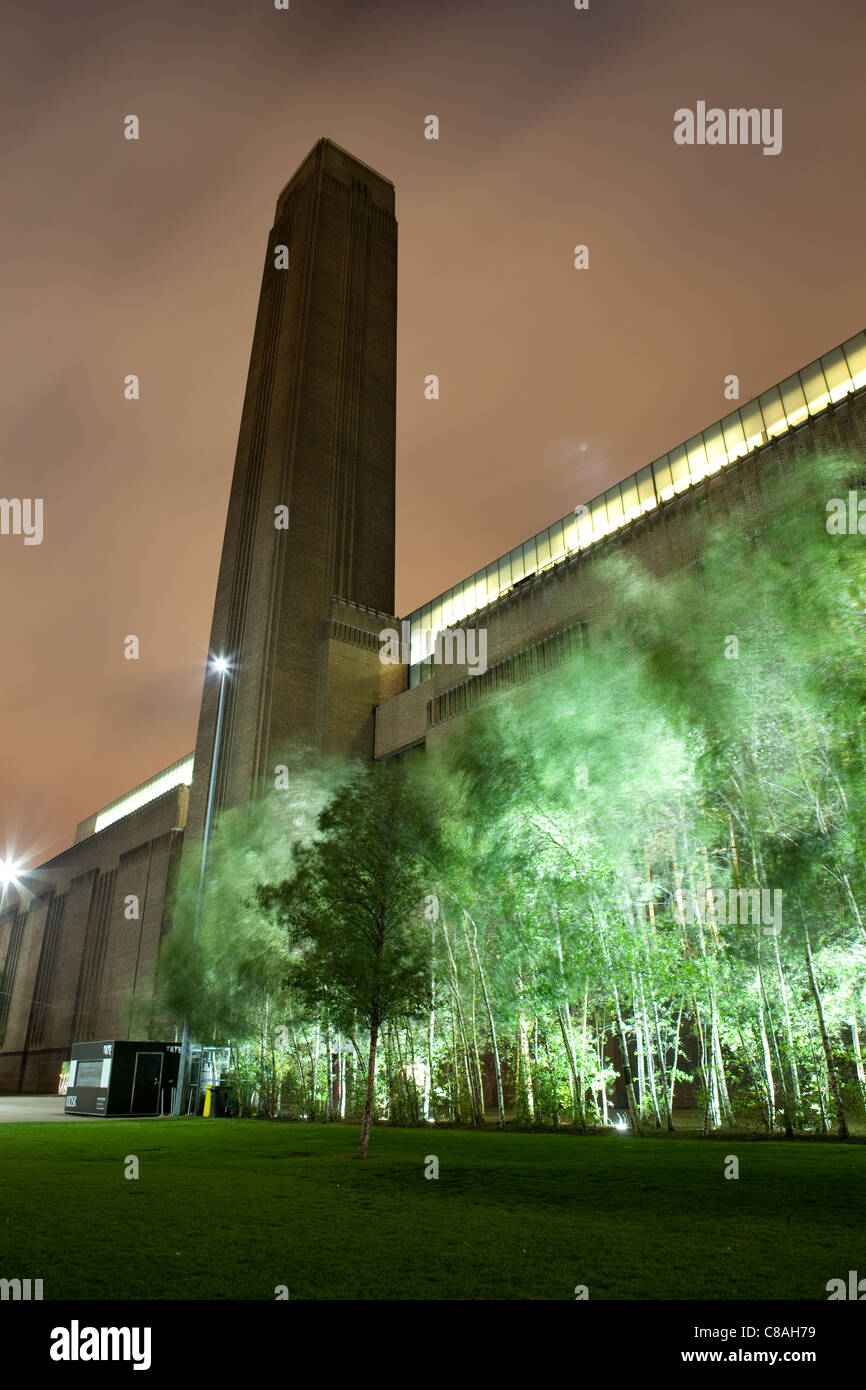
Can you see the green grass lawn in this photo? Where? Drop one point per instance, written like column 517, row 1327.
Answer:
column 229, row 1209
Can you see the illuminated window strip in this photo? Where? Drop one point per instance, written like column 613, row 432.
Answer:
column 180, row 773
column 456, row 603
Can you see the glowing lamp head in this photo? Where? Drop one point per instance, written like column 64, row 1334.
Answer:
column 9, row 872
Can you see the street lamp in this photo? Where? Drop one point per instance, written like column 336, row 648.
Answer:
column 8, row 876
column 9, row 871
column 220, row 665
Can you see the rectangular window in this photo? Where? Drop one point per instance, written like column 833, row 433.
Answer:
column 492, row 582
column 697, row 457
column 613, row 502
column 598, row 517
column 663, row 481
column 753, row 425
column 815, row 387
column 714, row 444
column 793, row 400
column 556, row 541
column 436, row 615
column 735, row 440
column 837, row 374
column 630, row 499
column 518, row 568
column 646, row 488
column 584, row 529
column 855, row 354
column 470, row 594
column 458, row 610
column 679, row 465
column 773, row 413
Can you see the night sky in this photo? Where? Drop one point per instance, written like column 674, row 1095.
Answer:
column 556, row 128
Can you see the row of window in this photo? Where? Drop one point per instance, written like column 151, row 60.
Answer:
column 521, row 666
column 778, row 410
column 180, row 773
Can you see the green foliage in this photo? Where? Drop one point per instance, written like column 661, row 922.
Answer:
column 356, row 948
column 524, row 910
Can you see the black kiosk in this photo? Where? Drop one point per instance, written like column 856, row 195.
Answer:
column 122, row 1078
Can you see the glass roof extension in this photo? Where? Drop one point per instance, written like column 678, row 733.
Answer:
column 781, row 408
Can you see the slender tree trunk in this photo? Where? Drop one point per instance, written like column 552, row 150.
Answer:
column 396, row 1080
column 367, row 1120
column 789, row 1033
column 553, row 1086
column 525, row 1068
column 676, row 1056
column 858, row 1057
column 414, row 1104
column 315, row 1076
column 455, row 1071
column 649, row 1056
column 431, row 1025
column 768, row 1061
column 569, row 1071
column 639, row 1057
column 375, row 1024
column 500, row 1099
column 721, row 1104
column 832, row 1077
column 786, row 1094
column 468, row 1070
column 476, row 1103
column 476, row 1051
column 634, row 1112
column 301, row 1072
column 758, row 1086
column 601, row 1068
column 428, row 1080
column 827, row 837
column 329, row 1098
column 669, row 1122
column 583, row 1052
column 266, row 1097
column 631, row 1100
column 536, row 1087
column 820, row 1075
column 706, row 1070
column 727, row 1108
column 578, row 1116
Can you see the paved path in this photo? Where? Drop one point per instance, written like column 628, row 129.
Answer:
column 17, row 1108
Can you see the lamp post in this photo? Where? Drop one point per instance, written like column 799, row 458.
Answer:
column 220, row 665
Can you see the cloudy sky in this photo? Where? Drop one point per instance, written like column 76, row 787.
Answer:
column 556, row 128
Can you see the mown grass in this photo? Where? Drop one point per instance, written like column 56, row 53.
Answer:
column 230, row 1209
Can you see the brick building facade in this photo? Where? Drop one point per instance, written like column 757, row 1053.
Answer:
column 300, row 605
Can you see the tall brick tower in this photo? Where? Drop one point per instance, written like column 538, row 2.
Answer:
column 298, row 607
